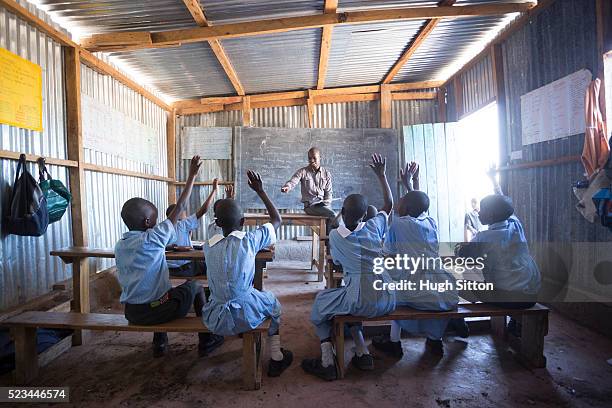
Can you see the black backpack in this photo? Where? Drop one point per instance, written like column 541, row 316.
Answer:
column 28, row 214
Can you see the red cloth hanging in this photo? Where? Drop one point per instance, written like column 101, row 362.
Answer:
column 596, row 150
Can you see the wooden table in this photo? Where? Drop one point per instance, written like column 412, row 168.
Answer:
column 80, row 284
column 316, row 224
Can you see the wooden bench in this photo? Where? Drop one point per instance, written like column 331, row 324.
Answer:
column 23, row 328
column 530, row 346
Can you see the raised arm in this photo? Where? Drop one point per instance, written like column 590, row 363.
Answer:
column 257, row 185
column 492, row 172
column 211, row 196
column 181, row 204
column 379, row 165
column 411, row 171
column 293, row 181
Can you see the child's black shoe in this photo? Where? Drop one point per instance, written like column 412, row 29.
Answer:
column 364, row 362
column 208, row 343
column 313, row 366
column 435, row 347
column 160, row 344
column 393, row 348
column 275, row 368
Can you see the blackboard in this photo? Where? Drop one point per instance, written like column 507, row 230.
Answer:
column 276, row 153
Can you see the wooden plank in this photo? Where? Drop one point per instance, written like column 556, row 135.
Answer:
column 171, row 154
column 431, row 165
column 441, row 97
column 251, row 359
column 112, row 170
column 346, row 98
column 202, row 183
column 6, row 154
column 419, row 154
column 274, row 96
column 454, row 179
column 196, row 12
column 385, row 107
column 541, row 163
column 500, row 95
column 330, row 7
column 412, row 96
column 246, row 111
column 415, row 43
column 310, row 111
column 534, row 329
column 26, row 357
column 249, row 28
column 442, row 187
column 411, row 86
column 220, row 100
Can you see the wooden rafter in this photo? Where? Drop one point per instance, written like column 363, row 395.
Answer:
column 200, row 18
column 420, row 37
column 331, row 6
column 110, row 42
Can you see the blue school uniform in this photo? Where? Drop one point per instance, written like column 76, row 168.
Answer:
column 508, row 264
column 418, row 238
column 355, row 251
column 142, row 271
column 235, row 306
column 183, row 228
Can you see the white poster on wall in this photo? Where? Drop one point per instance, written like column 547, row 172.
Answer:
column 110, row 131
column 555, row 110
column 211, row 143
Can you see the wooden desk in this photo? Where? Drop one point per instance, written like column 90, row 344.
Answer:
column 316, row 224
column 75, row 256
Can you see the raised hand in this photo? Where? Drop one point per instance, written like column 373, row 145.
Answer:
column 194, row 166
column 414, row 170
column 229, row 191
column 215, row 185
column 255, row 181
column 379, row 164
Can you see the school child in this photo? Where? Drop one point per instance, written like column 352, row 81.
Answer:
column 213, row 229
column 142, row 271
column 508, row 265
column 235, row 306
column 185, row 268
column 415, row 234
column 354, row 245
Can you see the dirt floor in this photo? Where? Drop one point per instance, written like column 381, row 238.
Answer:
column 118, row 369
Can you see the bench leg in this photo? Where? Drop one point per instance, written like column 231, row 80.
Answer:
column 321, row 245
column 535, row 327
column 339, row 345
column 498, row 326
column 26, row 358
column 251, row 360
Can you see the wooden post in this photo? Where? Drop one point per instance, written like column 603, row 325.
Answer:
column 535, row 327
column 171, row 148
column 441, row 94
column 251, row 360
column 339, row 340
column 310, row 106
column 385, row 106
column 246, row 111
column 26, row 358
column 80, row 269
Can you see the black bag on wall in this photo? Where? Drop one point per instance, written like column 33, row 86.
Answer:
column 28, row 214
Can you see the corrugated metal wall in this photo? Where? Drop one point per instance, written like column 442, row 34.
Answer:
column 106, row 193
column 26, row 269
column 339, row 115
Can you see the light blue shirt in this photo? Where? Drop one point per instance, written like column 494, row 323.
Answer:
column 183, row 228
column 508, row 263
column 141, row 263
column 235, row 305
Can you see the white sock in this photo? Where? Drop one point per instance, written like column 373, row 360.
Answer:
column 275, row 348
column 327, row 354
column 396, row 331
column 360, row 346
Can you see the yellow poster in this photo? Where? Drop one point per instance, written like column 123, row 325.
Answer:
column 20, row 92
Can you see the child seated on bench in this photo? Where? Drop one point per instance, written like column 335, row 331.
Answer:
column 235, row 306
column 213, row 229
column 354, row 245
column 142, row 270
column 508, row 265
column 415, row 234
column 184, row 226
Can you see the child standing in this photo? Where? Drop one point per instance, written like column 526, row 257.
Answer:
column 414, row 233
column 142, row 271
column 354, row 245
column 235, row 305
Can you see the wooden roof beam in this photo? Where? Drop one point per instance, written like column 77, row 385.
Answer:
column 331, row 7
column 110, row 42
column 420, row 37
column 198, row 15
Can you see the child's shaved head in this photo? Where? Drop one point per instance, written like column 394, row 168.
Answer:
column 229, row 214
column 139, row 214
column 370, row 212
column 354, row 209
column 495, row 208
column 413, row 203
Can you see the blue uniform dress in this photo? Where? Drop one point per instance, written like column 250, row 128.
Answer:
column 183, row 228
column 142, row 271
column 418, row 238
column 508, row 264
column 355, row 251
column 235, row 306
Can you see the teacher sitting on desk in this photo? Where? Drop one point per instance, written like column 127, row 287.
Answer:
column 316, row 187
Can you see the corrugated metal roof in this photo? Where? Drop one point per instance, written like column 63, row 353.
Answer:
column 352, row 5
column 232, row 11
column 276, row 62
column 364, row 53
column 184, row 72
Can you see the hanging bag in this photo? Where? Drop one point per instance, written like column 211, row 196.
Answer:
column 28, row 213
column 57, row 195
